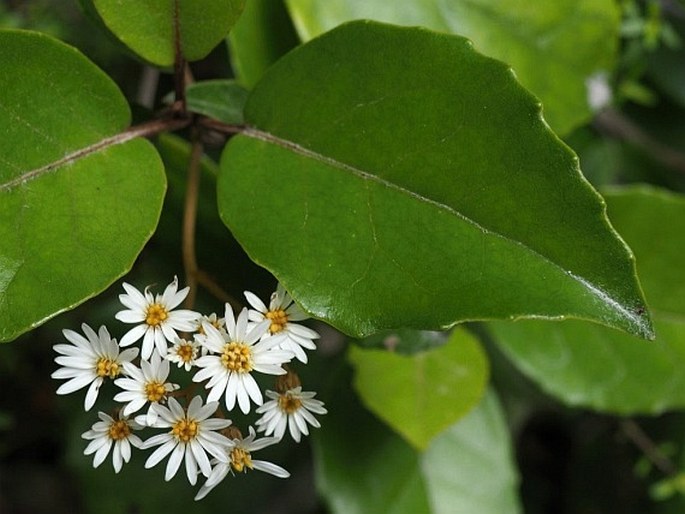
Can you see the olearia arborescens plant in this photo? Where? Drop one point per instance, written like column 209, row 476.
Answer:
column 395, row 180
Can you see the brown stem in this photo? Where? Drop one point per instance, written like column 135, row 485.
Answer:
column 220, row 126
column 216, row 290
column 179, row 63
column 190, row 218
column 640, row 439
column 617, row 125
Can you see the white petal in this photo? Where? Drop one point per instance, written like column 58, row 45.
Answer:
column 136, row 316
column 174, row 462
column 133, row 335
column 252, row 389
column 200, row 457
column 272, row 469
column 92, row 393
column 231, row 390
column 117, row 460
column 134, row 296
column 101, row 454
column 161, row 341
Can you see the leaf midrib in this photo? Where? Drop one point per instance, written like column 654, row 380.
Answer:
column 594, row 290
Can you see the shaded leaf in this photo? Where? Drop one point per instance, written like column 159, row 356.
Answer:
column 596, row 367
column 554, row 47
column 223, row 100
column 469, row 468
column 410, row 182
column 77, row 207
column 362, row 467
column 262, row 35
column 147, row 27
column 422, row 394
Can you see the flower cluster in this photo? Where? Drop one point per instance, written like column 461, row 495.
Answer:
column 223, row 354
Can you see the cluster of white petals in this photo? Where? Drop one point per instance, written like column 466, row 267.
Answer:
column 281, row 314
column 233, row 358
column 292, row 408
column 89, row 361
column 224, row 354
column 155, row 317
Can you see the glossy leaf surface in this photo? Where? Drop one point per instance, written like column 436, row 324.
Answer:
column 76, row 207
column 596, row 367
column 410, row 181
column 148, row 28
column 387, row 475
column 420, row 395
column 554, row 47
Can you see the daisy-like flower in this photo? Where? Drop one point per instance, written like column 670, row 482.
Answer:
column 156, row 320
column 193, row 434
column 289, row 406
column 110, row 432
column 240, row 354
column 240, row 460
column 184, row 353
column 89, row 361
column 212, row 319
column 281, row 313
column 146, row 384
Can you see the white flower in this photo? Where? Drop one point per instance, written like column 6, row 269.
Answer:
column 192, row 435
column 184, row 353
column 240, row 460
column 110, row 431
column 293, row 408
column 281, row 313
column 157, row 321
column 146, row 384
column 212, row 319
column 240, row 355
column 89, row 361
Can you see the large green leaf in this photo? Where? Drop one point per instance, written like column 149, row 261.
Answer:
column 77, row 200
column 148, row 27
column 396, row 178
column 592, row 366
column 554, row 47
column 362, row 467
column 420, row 395
column 262, row 35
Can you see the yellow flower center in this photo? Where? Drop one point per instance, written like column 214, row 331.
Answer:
column 156, row 314
column 186, row 352
column 278, row 320
column 119, row 430
column 106, row 367
column 289, row 403
column 240, row 459
column 155, row 391
column 185, row 429
column 237, row 357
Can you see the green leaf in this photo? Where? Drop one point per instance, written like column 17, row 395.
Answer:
column 595, row 367
column 554, row 47
column 263, row 33
column 409, row 181
column 148, row 28
column 78, row 198
column 470, row 467
column 223, row 100
column 421, row 395
column 362, row 467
